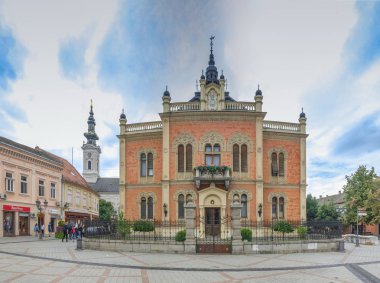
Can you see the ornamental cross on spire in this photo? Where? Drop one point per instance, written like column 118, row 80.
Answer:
column 211, row 44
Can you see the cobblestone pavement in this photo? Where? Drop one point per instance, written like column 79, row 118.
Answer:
column 27, row 259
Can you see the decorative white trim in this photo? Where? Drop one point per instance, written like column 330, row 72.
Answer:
column 184, row 139
column 146, row 195
column 239, row 192
column 185, row 193
column 146, row 151
column 212, row 138
column 278, row 179
column 278, row 195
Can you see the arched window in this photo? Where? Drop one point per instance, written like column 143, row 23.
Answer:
column 244, row 208
column 189, row 158
column 150, row 164
column 243, row 159
column 89, row 165
column 143, row 208
column 235, row 160
column 150, row 208
column 216, row 148
column 208, row 148
column 180, row 158
column 143, row 165
column 274, row 208
column 188, row 198
column 281, row 167
column 181, row 208
column 281, row 208
column 274, row 164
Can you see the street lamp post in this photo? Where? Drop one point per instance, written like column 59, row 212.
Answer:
column 357, row 227
column 39, row 207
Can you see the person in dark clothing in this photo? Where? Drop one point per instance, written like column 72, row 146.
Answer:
column 65, row 231
column 80, row 230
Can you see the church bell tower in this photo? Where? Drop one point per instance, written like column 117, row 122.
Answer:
column 91, row 151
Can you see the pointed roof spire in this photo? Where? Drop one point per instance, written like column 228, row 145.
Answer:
column 302, row 114
column 122, row 115
column 91, row 135
column 258, row 91
column 211, row 71
column 166, row 92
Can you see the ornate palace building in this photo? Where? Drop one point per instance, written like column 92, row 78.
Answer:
column 213, row 149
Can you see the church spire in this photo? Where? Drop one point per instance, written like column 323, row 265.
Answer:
column 91, row 135
column 211, row 71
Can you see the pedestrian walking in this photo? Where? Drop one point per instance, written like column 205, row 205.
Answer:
column 50, row 228
column 70, row 231
column 74, row 233
column 65, row 231
column 36, row 230
column 80, row 231
column 43, row 229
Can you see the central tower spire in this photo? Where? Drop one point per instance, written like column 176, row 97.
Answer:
column 211, row 71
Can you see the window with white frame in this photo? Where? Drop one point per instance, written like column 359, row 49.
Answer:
column 77, row 199
column 41, row 188
column 69, row 197
column 52, row 190
column 84, row 201
column 24, row 184
column 212, row 155
column 278, row 208
column 9, row 182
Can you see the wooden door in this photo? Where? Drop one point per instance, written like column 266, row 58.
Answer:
column 212, row 223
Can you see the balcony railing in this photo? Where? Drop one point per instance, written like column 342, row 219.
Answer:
column 212, row 174
column 184, row 106
column 142, row 127
column 240, row 106
column 281, row 126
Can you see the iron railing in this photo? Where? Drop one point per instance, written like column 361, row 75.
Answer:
column 273, row 230
column 133, row 230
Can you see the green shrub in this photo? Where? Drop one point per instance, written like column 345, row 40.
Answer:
column 283, row 227
column 143, row 226
column 302, row 232
column 123, row 227
column 61, row 223
column 59, row 235
column 180, row 236
column 246, row 234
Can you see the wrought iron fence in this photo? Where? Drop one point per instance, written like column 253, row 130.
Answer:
column 133, row 230
column 281, row 230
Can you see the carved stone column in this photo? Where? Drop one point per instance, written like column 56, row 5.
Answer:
column 190, row 209
column 237, row 243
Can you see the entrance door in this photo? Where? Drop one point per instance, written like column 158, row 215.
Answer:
column 23, row 225
column 8, row 224
column 212, row 223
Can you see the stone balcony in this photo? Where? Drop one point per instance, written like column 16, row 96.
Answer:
column 212, row 174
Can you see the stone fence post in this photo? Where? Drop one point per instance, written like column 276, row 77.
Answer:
column 237, row 243
column 190, row 227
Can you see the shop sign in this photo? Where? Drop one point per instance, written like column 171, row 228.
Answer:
column 53, row 211
column 16, row 208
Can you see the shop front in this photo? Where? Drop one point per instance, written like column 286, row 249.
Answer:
column 16, row 220
column 74, row 217
column 53, row 221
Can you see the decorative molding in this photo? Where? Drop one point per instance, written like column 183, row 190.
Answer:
column 278, row 195
column 278, row 179
column 277, row 150
column 240, row 139
column 146, row 151
column 184, row 138
column 185, row 193
column 212, row 138
column 239, row 192
column 146, row 195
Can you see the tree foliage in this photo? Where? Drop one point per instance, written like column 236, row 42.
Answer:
column 327, row 212
column 373, row 203
column 311, row 207
column 359, row 188
column 283, row 227
column 105, row 210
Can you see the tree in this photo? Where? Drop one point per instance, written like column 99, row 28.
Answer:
column 327, row 212
column 373, row 203
column 360, row 186
column 283, row 227
column 105, row 210
column 311, row 207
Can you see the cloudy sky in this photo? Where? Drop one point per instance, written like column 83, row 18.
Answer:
column 55, row 56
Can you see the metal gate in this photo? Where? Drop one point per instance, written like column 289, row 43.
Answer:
column 213, row 233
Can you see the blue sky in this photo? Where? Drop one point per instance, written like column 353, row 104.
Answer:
column 56, row 56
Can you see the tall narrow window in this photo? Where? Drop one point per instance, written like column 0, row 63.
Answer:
column 143, row 165
column 181, row 208
column 150, row 208
column 216, row 148
column 41, row 188
column 281, row 208
column 281, row 164
column 274, row 164
column 189, row 158
column 243, row 159
column 52, row 190
column 69, row 197
column 89, row 164
column 143, row 208
column 208, row 148
column 274, row 208
column 235, row 154
column 189, row 198
column 244, row 208
column 24, row 185
column 9, row 182
column 180, row 158
column 150, row 164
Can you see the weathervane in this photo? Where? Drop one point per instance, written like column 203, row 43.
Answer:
column 211, row 39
